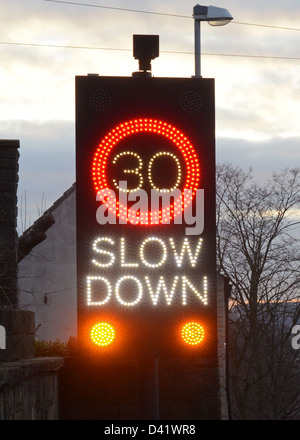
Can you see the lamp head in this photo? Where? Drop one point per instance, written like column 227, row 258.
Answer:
column 213, row 15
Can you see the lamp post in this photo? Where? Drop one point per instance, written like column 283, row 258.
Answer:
column 215, row 17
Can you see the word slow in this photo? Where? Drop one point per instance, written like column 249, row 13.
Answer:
column 153, row 252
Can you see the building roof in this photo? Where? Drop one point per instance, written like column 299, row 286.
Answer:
column 36, row 233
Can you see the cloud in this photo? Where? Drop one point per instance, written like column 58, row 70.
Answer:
column 265, row 157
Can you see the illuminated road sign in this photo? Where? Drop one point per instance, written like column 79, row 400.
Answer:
column 145, row 184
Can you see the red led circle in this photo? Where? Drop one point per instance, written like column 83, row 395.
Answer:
column 154, row 126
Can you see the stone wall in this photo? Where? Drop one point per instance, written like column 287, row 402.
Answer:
column 28, row 386
column 9, row 167
column 29, row 389
column 18, row 324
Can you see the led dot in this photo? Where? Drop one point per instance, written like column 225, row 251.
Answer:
column 102, row 334
column 192, row 333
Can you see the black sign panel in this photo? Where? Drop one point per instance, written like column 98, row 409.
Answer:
column 145, row 183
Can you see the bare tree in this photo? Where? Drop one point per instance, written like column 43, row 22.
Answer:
column 259, row 252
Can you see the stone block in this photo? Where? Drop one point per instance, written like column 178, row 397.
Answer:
column 9, row 187
column 17, row 321
column 9, row 163
column 8, row 212
column 8, row 175
column 20, row 327
column 9, row 148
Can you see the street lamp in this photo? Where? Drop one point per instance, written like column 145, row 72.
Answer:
column 215, row 17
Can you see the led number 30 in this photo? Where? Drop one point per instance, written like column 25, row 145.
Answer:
column 137, row 170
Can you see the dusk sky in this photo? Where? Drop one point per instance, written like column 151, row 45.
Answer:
column 256, row 71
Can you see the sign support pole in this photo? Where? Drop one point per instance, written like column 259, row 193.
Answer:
column 197, row 43
column 149, row 395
